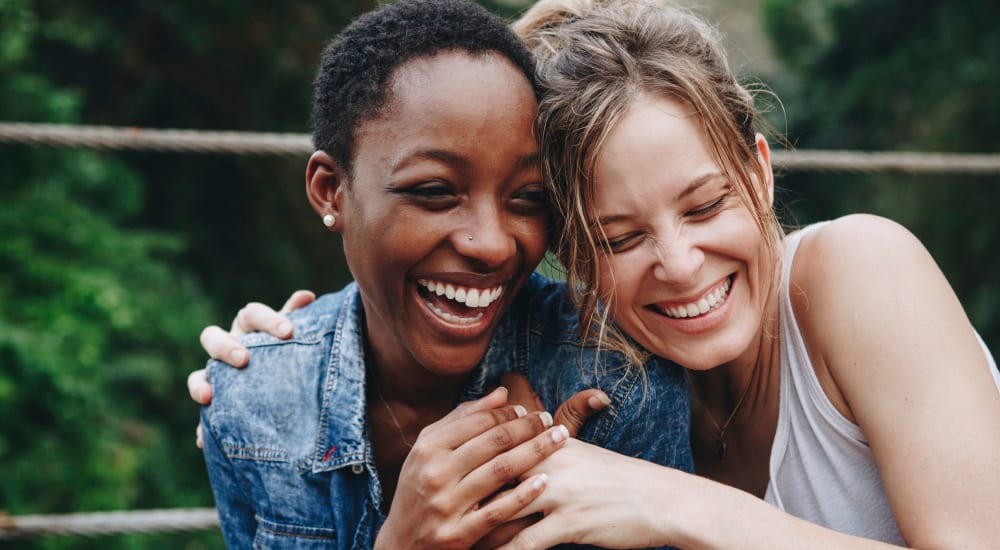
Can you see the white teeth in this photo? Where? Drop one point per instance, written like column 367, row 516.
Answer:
column 469, row 297
column 472, row 298
column 709, row 302
column 455, row 318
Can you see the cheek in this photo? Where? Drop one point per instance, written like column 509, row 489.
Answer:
column 532, row 235
column 380, row 243
column 733, row 233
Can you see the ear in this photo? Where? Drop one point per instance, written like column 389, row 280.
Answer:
column 764, row 158
column 325, row 182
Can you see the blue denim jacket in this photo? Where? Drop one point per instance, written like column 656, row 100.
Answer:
column 286, row 438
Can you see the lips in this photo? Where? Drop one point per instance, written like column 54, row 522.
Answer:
column 708, row 302
column 456, row 303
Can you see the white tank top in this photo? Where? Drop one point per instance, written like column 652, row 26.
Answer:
column 821, row 467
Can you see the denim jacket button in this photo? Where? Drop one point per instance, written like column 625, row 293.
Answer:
column 357, row 468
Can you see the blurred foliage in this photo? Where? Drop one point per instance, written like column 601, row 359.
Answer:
column 97, row 321
column 920, row 75
column 112, row 262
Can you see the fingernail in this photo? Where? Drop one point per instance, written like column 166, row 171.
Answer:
column 520, row 411
column 237, row 356
column 598, row 401
column 539, row 481
column 546, row 419
column 285, row 328
column 560, row 433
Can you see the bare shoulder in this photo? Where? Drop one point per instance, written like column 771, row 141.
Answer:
column 858, row 242
column 860, row 255
column 861, row 287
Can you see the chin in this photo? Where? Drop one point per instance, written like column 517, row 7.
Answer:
column 454, row 363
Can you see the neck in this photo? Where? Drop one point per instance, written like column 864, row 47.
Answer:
column 412, row 386
column 400, row 379
column 401, row 386
column 719, row 389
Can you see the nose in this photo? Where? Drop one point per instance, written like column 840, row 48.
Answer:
column 678, row 259
column 487, row 239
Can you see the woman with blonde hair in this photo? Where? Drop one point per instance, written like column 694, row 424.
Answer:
column 835, row 377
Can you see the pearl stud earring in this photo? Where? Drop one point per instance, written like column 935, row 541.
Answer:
column 329, row 220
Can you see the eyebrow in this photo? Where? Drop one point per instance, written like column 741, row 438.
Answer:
column 462, row 162
column 691, row 187
column 439, row 155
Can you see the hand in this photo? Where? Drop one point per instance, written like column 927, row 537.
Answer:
column 225, row 346
column 599, row 497
column 443, row 497
column 572, row 413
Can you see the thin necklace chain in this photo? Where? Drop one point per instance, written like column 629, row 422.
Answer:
column 388, row 409
column 720, row 442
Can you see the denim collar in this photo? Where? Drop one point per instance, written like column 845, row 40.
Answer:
column 341, row 437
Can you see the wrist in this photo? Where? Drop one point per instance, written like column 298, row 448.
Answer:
column 384, row 539
column 692, row 512
column 713, row 515
column 668, row 511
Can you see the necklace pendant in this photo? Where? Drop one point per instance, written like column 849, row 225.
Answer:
column 720, row 449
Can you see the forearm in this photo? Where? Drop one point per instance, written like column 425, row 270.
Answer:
column 697, row 513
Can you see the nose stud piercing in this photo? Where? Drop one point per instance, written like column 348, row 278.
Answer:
column 329, row 220
column 470, row 237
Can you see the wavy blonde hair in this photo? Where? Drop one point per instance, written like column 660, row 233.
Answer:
column 595, row 57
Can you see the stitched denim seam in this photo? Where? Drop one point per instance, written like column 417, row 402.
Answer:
column 265, row 525
column 254, row 453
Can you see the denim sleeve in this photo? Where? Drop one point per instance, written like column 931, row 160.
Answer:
column 235, row 513
column 653, row 422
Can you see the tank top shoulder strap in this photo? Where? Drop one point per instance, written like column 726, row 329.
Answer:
column 792, row 245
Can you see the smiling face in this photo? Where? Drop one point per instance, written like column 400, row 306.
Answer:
column 684, row 252
column 443, row 218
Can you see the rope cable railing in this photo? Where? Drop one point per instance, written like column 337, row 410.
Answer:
column 108, row 523
column 291, row 144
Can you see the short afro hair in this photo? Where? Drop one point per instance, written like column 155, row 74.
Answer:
column 350, row 87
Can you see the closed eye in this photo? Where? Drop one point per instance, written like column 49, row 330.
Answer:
column 709, row 208
column 531, row 200
column 621, row 243
column 432, row 195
